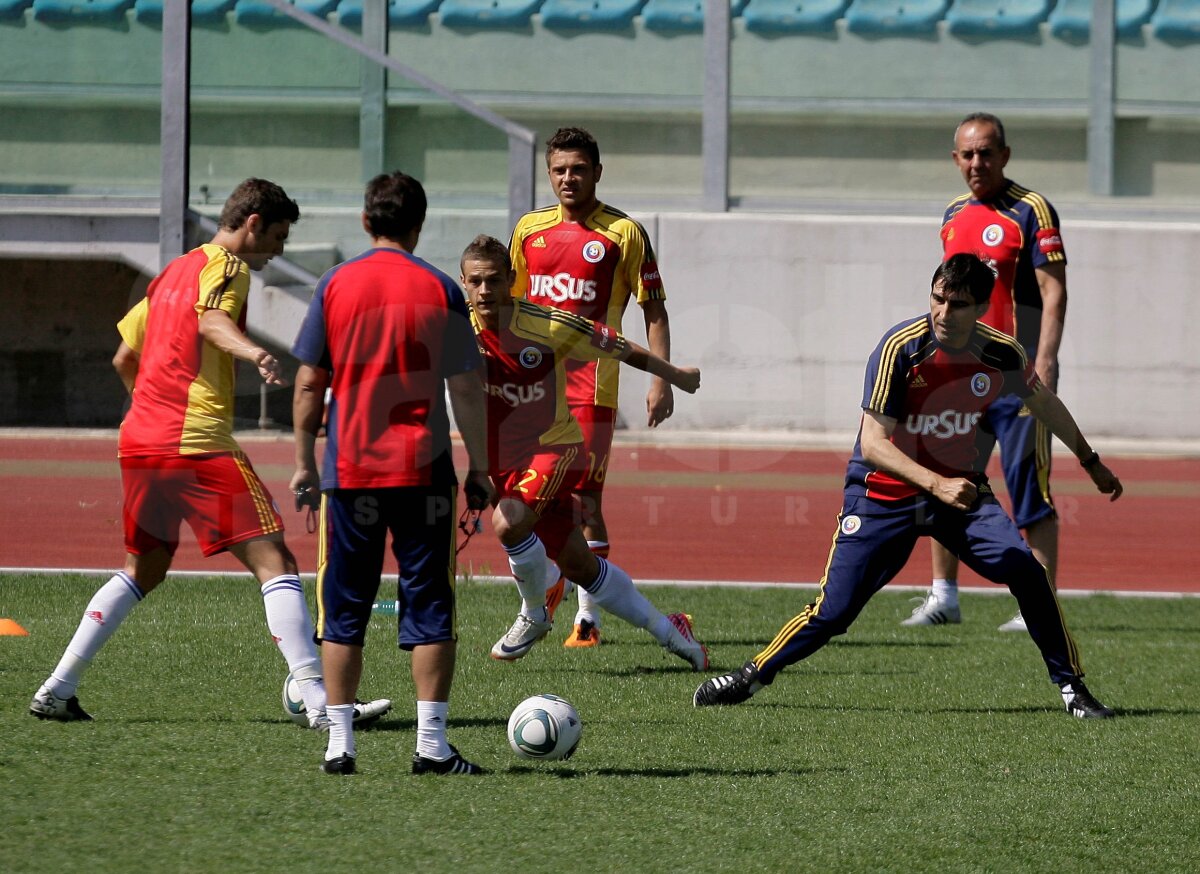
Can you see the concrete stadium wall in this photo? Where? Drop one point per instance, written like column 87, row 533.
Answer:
column 780, row 312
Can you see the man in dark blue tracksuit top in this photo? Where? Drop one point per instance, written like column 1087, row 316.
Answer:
column 917, row 471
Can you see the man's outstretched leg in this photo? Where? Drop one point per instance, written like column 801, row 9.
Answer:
column 107, row 609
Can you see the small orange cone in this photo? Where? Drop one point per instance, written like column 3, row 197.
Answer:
column 8, row 628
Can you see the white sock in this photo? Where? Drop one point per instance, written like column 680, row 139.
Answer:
column 106, row 611
column 291, row 627
column 341, row 731
column 588, row 607
column 615, row 592
column 552, row 575
column 431, row 730
column 527, row 561
column 946, row 591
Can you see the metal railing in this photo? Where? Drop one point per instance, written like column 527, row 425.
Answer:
column 176, row 45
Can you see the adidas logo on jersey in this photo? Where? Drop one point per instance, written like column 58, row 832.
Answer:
column 539, row 243
column 918, row 382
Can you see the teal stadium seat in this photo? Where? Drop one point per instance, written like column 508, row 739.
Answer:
column 78, row 11
column 487, row 13
column 793, row 16
column 12, row 9
column 590, row 14
column 401, row 13
column 1071, row 20
column 203, row 11
column 996, row 17
column 255, row 13
column 1176, row 21
column 680, row 16
column 895, row 17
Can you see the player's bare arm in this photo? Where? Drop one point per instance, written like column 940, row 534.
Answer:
column 685, row 378
column 308, row 408
column 1052, row 283
column 217, row 328
column 126, row 362
column 1049, row 409
column 470, row 415
column 881, row 453
column 660, row 401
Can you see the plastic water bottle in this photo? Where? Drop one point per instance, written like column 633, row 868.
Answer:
column 387, row 608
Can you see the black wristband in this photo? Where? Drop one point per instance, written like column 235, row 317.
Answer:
column 1091, row 461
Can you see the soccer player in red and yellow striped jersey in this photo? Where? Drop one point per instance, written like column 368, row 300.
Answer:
column 534, row 450
column 179, row 460
column 584, row 256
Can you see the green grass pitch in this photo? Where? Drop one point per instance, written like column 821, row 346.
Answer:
column 893, row 749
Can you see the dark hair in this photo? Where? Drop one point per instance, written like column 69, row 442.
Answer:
column 394, row 205
column 968, row 274
column 485, row 248
column 258, row 196
column 573, row 139
column 988, row 118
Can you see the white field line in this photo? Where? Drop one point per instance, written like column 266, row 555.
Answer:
column 685, row 584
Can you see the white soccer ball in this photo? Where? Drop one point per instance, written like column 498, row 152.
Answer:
column 293, row 703
column 544, row 727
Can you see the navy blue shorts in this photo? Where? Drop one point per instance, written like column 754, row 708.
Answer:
column 872, row 545
column 1025, row 458
column 354, row 530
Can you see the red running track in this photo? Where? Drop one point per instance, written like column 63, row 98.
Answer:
column 703, row 514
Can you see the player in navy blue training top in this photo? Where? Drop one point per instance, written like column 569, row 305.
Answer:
column 917, row 471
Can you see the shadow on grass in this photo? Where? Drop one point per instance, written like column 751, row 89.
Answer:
column 759, row 643
column 1136, row 629
column 572, row 773
column 919, row 711
column 1025, row 710
column 387, row 724
column 647, row 670
column 1058, row 711
column 384, row 724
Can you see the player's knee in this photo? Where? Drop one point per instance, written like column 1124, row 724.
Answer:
column 512, row 521
column 290, row 565
column 1017, row 567
column 148, row 570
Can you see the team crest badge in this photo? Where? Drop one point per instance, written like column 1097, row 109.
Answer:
column 851, row 525
column 530, row 357
column 981, row 384
column 993, row 235
column 593, row 251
